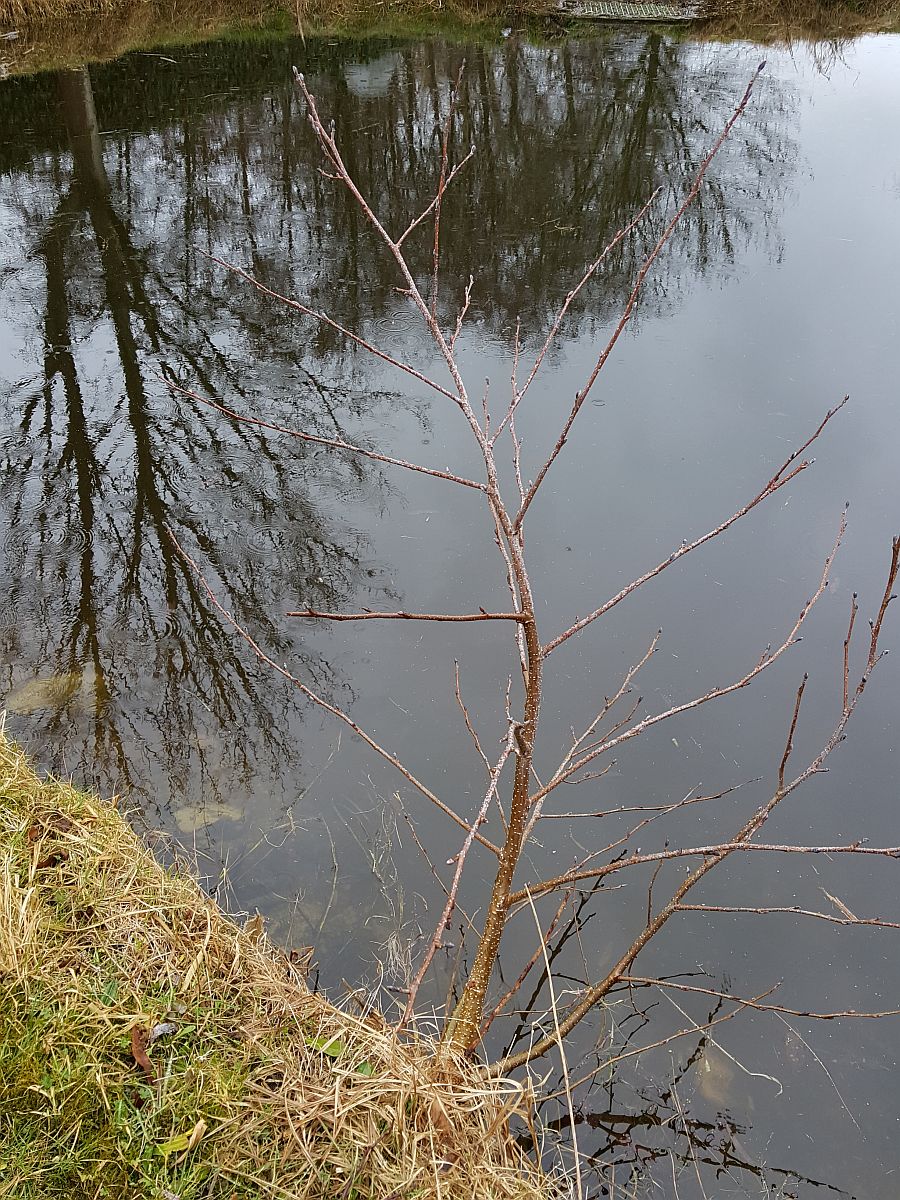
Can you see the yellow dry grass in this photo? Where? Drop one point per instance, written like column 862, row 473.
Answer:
column 823, row 24
column 253, row 1086
column 57, row 34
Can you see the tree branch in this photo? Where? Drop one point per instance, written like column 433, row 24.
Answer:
column 324, row 319
column 568, row 767
column 713, row 855
column 791, row 910
column 641, row 981
column 778, row 481
column 632, row 299
column 318, row 440
column 400, row 615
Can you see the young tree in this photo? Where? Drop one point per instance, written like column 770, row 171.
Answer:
column 513, row 784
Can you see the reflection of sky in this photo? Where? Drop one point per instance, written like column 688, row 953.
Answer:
column 698, row 406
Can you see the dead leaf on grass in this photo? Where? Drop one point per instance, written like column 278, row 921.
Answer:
column 139, row 1051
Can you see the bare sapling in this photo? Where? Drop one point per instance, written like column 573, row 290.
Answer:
column 512, row 782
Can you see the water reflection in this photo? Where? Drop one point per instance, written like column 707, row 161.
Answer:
column 120, row 182
column 100, row 462
column 118, row 291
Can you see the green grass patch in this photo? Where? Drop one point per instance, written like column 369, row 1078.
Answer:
column 150, row 1047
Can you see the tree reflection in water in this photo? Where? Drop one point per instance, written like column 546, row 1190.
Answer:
column 128, row 178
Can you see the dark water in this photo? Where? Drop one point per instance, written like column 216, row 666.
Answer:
column 776, row 297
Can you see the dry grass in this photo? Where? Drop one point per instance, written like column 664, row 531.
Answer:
column 822, row 23
column 258, row 1088
column 56, row 34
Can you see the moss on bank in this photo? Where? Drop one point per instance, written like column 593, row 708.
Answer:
column 149, row 1047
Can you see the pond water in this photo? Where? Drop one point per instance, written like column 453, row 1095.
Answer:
column 777, row 295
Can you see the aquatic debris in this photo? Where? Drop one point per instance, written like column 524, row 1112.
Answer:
column 190, row 819
column 715, row 1077
column 51, row 692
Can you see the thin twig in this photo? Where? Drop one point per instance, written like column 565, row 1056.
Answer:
column 402, row 615
column 778, row 481
column 665, row 1041
column 318, row 440
column 447, row 913
column 854, row 609
column 789, row 745
column 468, row 720
column 644, row 981
column 713, row 850
column 590, row 271
column 426, row 212
column 568, row 768
column 526, row 970
column 632, row 299
column 324, row 319
column 790, row 909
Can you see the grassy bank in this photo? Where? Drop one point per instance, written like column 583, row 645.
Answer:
column 53, row 34
column 151, row 1048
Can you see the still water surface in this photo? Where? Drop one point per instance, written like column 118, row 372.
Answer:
column 777, row 296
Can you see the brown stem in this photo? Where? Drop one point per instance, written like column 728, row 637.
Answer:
column 401, row 615
column 463, row 1027
column 717, row 854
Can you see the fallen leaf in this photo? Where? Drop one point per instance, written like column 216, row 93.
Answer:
column 178, row 1142
column 444, row 1126
column 184, row 1142
column 196, row 1134
column 191, row 820
column 139, row 1051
